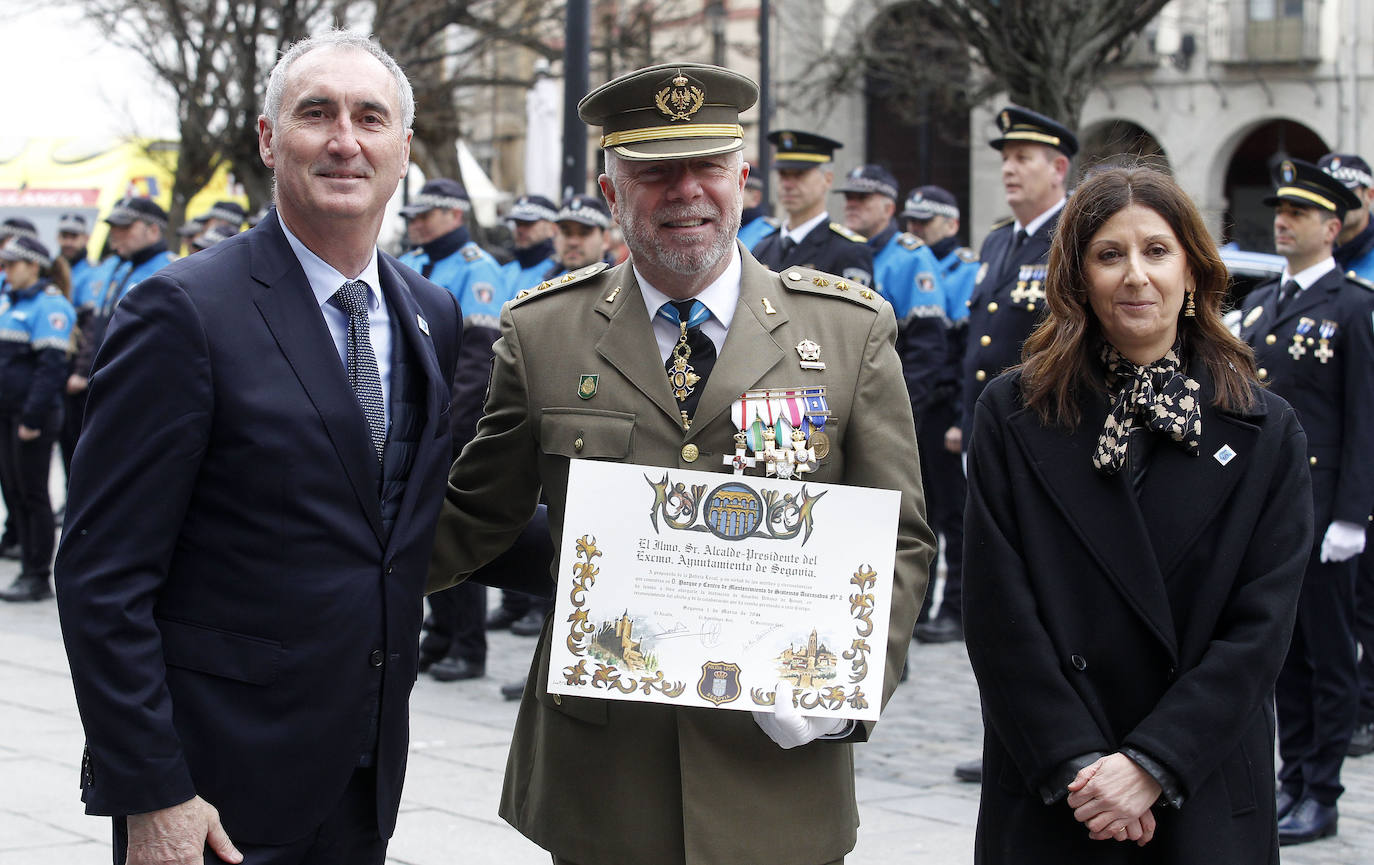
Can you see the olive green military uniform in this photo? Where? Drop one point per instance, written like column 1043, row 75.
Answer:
column 596, row 781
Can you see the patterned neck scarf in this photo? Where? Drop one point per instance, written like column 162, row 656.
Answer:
column 1157, row 397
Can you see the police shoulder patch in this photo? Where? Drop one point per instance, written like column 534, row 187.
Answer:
column 1002, row 223
column 53, row 291
column 576, row 277
column 1359, row 280
column 966, row 254
column 910, row 241
column 471, row 252
column 843, row 231
column 811, row 281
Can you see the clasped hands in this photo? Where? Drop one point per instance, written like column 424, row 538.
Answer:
column 1112, row 798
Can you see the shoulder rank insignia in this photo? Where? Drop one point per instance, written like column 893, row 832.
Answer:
column 966, row 254
column 471, row 252
column 910, row 241
column 815, row 282
column 568, row 279
column 843, row 231
column 1360, row 281
column 1002, row 223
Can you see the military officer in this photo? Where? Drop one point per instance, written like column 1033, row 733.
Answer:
column 1008, row 300
column 808, row 237
column 904, row 272
column 531, row 220
column 455, row 645
column 932, row 213
column 1314, row 345
column 755, row 221
column 582, row 373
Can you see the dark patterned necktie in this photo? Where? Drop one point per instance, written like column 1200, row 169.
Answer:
column 691, row 360
column 363, row 376
column 1290, row 290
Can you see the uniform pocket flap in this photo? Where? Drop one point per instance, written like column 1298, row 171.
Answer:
column 220, row 653
column 582, row 434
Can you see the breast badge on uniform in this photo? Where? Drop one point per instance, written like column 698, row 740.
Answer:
column 810, row 352
column 57, row 320
column 925, row 282
column 586, row 385
column 483, row 291
column 1253, row 316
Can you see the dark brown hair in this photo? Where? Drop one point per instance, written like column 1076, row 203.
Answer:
column 1059, row 358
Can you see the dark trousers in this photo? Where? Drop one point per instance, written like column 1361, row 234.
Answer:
column 1364, row 628
column 24, row 467
column 458, row 623
column 1317, row 693
column 942, row 478
column 517, row 604
column 73, row 411
column 557, row 860
column 348, row 836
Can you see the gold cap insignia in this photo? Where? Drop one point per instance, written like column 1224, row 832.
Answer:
column 680, row 99
column 1004, row 121
column 1287, row 171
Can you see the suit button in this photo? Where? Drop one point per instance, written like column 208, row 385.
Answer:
column 992, row 307
column 1078, row 663
column 1312, row 460
column 1262, row 373
column 985, row 340
column 390, row 569
column 377, row 657
column 980, row 375
column 690, row 453
column 1173, row 673
column 578, row 444
column 1270, row 339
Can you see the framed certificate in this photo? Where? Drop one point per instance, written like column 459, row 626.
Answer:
column 704, row 589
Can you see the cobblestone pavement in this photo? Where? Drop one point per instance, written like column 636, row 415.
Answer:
column 913, row 811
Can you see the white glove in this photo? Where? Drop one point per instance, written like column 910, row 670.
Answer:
column 1343, row 541
column 788, row 727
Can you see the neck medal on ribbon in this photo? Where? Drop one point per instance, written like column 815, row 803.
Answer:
column 781, row 431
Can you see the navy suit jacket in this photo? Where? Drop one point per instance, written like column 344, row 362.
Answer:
column 232, row 609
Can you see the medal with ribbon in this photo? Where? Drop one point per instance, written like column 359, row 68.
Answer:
column 1299, row 346
column 1324, row 351
column 776, row 423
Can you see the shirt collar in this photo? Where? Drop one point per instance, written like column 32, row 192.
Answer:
column 1306, row 278
column 325, row 280
column 799, row 233
column 1034, row 225
column 720, row 297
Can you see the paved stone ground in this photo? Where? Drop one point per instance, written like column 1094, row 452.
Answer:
column 913, row 811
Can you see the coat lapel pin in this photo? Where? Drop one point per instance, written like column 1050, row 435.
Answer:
column 424, row 325
column 1225, row 455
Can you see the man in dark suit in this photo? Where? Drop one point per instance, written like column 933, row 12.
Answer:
column 1314, row 345
column 253, row 502
column 808, row 237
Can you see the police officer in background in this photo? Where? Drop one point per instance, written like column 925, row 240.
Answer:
column 808, row 237
column 455, row 645
column 138, row 227
column 1008, row 298
column 1314, row 346
column 35, row 339
column 531, row 218
column 755, row 222
column 1355, row 244
column 904, row 273
column 932, row 214
column 73, row 236
column 15, row 226
column 584, row 224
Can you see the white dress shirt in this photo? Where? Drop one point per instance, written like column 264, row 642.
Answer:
column 324, row 282
column 720, row 297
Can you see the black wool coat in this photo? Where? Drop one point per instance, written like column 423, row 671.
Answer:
column 1096, row 620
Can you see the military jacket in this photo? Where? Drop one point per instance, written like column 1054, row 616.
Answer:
column 1008, row 301
column 1319, row 355
column 829, row 247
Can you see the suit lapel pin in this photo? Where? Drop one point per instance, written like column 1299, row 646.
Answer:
column 1225, row 455
column 610, row 298
column 424, row 325
column 810, row 353
column 586, row 386
column 768, row 307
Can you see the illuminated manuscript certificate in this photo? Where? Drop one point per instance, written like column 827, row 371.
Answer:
column 705, row 589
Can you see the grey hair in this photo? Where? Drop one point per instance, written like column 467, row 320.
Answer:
column 276, row 82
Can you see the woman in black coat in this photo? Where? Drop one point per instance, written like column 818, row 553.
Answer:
column 1139, row 516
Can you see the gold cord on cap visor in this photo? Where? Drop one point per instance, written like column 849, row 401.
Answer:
column 663, row 133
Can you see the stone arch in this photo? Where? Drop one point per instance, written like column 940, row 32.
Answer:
column 1241, row 174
